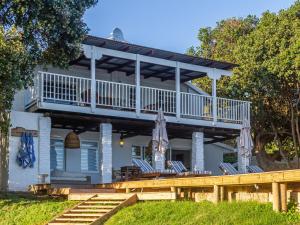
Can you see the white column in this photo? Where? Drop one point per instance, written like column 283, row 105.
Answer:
column 214, row 95
column 93, row 53
column 106, row 152
column 137, row 86
column 43, row 158
column 177, row 81
column 197, row 151
column 93, row 83
column 243, row 161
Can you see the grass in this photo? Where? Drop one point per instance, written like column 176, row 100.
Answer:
column 24, row 209
column 204, row 213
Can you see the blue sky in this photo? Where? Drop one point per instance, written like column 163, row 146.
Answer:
column 170, row 24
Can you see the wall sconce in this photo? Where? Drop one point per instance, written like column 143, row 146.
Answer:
column 121, row 140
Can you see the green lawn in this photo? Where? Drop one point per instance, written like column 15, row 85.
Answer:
column 204, row 213
column 21, row 209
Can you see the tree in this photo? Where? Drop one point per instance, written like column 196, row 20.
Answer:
column 32, row 33
column 267, row 52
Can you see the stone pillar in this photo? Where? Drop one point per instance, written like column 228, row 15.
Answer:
column 197, row 151
column 43, row 159
column 243, row 161
column 106, row 152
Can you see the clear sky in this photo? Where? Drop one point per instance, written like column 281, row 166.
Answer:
column 170, row 24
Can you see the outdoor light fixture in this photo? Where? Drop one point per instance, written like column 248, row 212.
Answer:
column 121, row 140
column 72, row 141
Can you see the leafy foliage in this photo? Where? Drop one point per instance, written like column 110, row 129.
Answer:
column 36, row 32
column 267, row 52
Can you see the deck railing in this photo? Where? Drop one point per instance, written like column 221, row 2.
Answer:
column 112, row 94
column 153, row 99
column 73, row 90
column 196, row 106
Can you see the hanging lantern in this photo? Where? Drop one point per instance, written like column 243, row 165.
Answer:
column 121, row 140
column 72, row 140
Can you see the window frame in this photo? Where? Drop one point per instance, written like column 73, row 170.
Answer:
column 97, row 156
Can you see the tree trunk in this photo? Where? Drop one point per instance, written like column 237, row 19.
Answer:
column 4, row 142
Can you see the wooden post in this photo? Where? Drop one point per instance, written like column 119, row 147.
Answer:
column 222, row 193
column 276, row 196
column 216, row 198
column 173, row 190
column 137, row 86
column 283, row 197
column 128, row 190
column 177, row 82
column 179, row 192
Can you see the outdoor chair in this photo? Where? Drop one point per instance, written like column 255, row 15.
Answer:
column 149, row 172
column 181, row 170
column 254, row 169
column 228, row 169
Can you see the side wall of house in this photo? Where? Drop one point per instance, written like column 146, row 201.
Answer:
column 18, row 177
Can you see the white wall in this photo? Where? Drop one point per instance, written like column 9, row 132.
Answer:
column 20, row 178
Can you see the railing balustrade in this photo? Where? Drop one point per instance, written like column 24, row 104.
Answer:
column 196, row 106
column 153, row 99
column 72, row 90
column 114, row 94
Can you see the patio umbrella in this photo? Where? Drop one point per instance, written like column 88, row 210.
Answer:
column 160, row 141
column 245, row 146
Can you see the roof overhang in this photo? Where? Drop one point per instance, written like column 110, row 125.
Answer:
column 121, row 56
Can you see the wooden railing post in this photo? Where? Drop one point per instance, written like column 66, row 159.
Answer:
column 276, row 196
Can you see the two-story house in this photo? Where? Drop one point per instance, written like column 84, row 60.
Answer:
column 109, row 98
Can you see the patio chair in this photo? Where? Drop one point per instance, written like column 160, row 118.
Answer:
column 181, row 170
column 228, row 169
column 149, row 172
column 254, row 169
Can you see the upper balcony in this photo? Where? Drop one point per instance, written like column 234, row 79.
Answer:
column 151, row 79
column 73, row 94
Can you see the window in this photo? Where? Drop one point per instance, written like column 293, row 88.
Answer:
column 137, row 152
column 57, row 155
column 89, row 156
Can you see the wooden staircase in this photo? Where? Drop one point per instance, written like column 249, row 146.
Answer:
column 94, row 211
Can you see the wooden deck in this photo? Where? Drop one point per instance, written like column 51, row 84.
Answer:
column 276, row 187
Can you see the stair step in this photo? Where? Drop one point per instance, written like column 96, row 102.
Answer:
column 103, row 202
column 90, row 210
column 74, row 219
column 63, row 223
column 108, row 199
column 96, row 206
column 83, row 214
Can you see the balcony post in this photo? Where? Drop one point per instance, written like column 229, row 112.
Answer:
column 93, row 83
column 177, row 82
column 137, row 85
column 91, row 52
column 214, row 95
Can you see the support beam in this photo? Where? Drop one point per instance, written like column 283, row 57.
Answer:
column 177, row 87
column 120, row 66
column 214, row 96
column 197, row 151
column 283, row 197
column 105, row 152
column 216, row 194
column 276, row 196
column 138, row 85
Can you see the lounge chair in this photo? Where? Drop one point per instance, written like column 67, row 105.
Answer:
column 148, row 171
column 228, row 169
column 181, row 170
column 254, row 169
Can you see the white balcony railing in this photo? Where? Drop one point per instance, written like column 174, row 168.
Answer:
column 72, row 90
column 153, row 99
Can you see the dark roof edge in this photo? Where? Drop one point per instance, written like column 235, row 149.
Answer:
column 226, row 65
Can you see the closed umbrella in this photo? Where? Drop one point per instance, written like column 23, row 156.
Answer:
column 160, row 141
column 245, row 146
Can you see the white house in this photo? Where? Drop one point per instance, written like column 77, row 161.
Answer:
column 112, row 92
